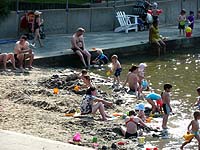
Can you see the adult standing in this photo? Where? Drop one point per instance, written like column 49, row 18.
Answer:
column 23, row 52
column 36, row 27
column 78, row 46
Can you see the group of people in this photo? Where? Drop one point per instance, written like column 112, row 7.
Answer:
column 22, row 52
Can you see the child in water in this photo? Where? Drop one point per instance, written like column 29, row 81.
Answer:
column 181, row 22
column 194, row 124
column 166, row 104
column 198, row 98
column 117, row 69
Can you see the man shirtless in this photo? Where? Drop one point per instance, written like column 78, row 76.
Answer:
column 23, row 52
column 5, row 57
column 132, row 80
column 78, row 46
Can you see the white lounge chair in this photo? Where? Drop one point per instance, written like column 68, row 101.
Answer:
column 125, row 22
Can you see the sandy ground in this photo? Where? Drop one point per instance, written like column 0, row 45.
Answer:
column 29, row 106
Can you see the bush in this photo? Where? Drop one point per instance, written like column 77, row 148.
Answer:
column 4, row 7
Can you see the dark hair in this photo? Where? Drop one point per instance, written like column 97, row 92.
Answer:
column 89, row 91
column 183, row 11
column 198, row 89
column 196, row 114
column 84, row 71
column 132, row 112
column 86, row 77
column 155, row 21
column 23, row 37
column 133, row 68
column 191, row 13
column 167, row 86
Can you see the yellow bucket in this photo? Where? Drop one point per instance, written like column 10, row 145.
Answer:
column 188, row 137
column 141, row 140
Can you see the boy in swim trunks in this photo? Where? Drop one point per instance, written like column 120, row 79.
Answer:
column 195, row 129
column 116, row 68
column 101, row 58
column 157, row 98
column 132, row 125
column 165, row 95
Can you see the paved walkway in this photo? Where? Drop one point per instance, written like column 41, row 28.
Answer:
column 16, row 141
column 60, row 44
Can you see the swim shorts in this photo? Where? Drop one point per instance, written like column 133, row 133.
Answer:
column 127, row 135
column 166, row 109
column 118, row 72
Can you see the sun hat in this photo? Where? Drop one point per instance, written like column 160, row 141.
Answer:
column 139, row 106
column 142, row 66
column 37, row 12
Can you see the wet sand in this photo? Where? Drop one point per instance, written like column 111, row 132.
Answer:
column 29, row 106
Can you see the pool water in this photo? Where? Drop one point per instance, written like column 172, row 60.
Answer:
column 182, row 71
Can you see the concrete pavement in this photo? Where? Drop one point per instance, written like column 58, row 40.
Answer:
column 16, row 141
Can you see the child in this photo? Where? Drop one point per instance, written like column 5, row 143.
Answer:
column 90, row 104
column 83, row 73
column 139, row 108
column 101, row 58
column 166, row 104
column 198, row 98
column 133, row 81
column 191, row 20
column 155, row 11
column 194, row 130
column 154, row 97
column 182, row 20
column 132, row 125
column 116, row 68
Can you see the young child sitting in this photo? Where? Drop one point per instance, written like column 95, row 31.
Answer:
column 198, row 98
column 139, row 108
column 91, row 103
column 132, row 125
column 194, row 124
column 101, row 59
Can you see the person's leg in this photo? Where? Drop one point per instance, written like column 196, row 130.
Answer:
column 88, row 55
column 99, row 106
column 164, row 122
column 185, row 143
column 11, row 57
column 152, row 104
column 158, row 46
column 3, row 58
column 123, row 129
column 163, row 45
column 20, row 57
column 198, row 139
column 81, row 57
column 31, row 58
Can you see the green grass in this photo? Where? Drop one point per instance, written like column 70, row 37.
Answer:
column 56, row 1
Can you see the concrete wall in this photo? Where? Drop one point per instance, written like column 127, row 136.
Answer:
column 93, row 19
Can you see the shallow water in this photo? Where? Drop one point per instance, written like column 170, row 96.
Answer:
column 182, row 71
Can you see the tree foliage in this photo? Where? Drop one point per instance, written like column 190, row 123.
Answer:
column 4, row 7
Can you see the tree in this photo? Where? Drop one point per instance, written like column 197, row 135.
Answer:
column 4, row 8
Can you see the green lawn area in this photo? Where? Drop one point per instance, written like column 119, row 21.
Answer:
column 56, row 1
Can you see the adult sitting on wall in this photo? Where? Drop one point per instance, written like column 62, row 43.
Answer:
column 23, row 52
column 78, row 46
column 155, row 38
column 5, row 58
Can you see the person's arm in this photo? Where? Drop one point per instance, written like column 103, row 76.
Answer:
column 74, row 45
column 188, row 128
column 126, row 81
column 167, row 97
column 103, row 101
column 150, row 35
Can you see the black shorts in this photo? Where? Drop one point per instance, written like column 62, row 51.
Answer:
column 127, row 135
column 181, row 26
column 75, row 49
